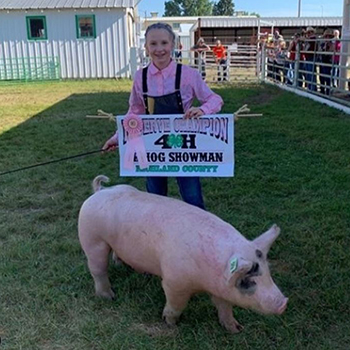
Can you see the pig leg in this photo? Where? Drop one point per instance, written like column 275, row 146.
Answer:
column 97, row 255
column 176, row 301
column 225, row 315
column 116, row 260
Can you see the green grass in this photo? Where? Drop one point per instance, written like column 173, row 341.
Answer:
column 292, row 168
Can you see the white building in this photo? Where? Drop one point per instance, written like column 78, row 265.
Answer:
column 69, row 38
column 241, row 28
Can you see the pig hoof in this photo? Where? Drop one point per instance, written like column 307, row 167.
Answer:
column 109, row 294
column 239, row 327
column 234, row 328
column 169, row 318
column 170, row 321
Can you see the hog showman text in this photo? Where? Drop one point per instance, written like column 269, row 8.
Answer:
column 184, row 157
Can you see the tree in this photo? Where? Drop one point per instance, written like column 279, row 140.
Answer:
column 223, row 8
column 188, row 8
column 254, row 14
column 172, row 8
column 245, row 13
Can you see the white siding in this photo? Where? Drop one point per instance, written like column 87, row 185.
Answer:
column 214, row 22
column 186, row 44
column 60, row 4
column 107, row 56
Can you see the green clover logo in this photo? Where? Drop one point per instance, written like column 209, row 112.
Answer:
column 175, row 141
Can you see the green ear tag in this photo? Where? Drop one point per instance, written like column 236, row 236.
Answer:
column 233, row 265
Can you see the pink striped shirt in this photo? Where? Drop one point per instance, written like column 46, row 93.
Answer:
column 162, row 82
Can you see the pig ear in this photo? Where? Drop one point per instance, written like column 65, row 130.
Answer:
column 265, row 240
column 237, row 267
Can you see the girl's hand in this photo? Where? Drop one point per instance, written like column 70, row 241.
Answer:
column 193, row 112
column 111, row 144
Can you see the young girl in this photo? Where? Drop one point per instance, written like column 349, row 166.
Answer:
column 164, row 87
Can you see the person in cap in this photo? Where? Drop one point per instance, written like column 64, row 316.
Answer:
column 200, row 50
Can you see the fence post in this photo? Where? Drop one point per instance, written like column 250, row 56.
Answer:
column 263, row 63
column 133, row 61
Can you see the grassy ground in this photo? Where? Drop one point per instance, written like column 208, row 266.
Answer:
column 292, row 168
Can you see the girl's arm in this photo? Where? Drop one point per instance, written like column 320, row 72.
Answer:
column 136, row 105
column 211, row 102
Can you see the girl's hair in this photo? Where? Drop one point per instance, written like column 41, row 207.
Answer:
column 164, row 26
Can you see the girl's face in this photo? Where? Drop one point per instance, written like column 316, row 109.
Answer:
column 159, row 46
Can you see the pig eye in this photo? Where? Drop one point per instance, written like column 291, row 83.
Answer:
column 259, row 254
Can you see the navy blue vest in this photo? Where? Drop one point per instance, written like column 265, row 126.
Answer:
column 166, row 104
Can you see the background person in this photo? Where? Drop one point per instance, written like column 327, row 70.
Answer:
column 302, row 58
column 270, row 53
column 172, row 88
column 178, row 51
column 336, row 58
column 277, row 37
column 310, row 58
column 220, row 55
column 326, row 49
column 291, row 54
column 280, row 61
column 200, row 50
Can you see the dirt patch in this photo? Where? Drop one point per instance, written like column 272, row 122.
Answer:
column 263, row 97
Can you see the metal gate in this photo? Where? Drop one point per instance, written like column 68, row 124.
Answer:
column 323, row 71
column 29, row 69
column 241, row 67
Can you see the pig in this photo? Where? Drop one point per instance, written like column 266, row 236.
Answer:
column 191, row 250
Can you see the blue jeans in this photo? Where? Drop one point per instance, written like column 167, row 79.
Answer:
column 302, row 75
column 222, row 66
column 190, row 189
column 335, row 75
column 291, row 73
column 310, row 76
column 325, row 79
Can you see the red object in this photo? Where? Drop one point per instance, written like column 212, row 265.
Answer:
column 219, row 52
column 293, row 51
column 133, row 125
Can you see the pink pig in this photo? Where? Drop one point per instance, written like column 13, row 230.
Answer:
column 191, row 249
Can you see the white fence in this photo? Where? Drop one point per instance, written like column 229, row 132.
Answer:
column 241, row 65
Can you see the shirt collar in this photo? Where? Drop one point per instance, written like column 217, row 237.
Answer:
column 166, row 72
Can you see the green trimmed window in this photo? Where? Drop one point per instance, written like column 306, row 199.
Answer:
column 86, row 28
column 36, row 28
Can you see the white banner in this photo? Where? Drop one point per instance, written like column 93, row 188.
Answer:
column 182, row 147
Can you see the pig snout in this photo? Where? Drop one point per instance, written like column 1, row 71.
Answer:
column 283, row 307
column 275, row 306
